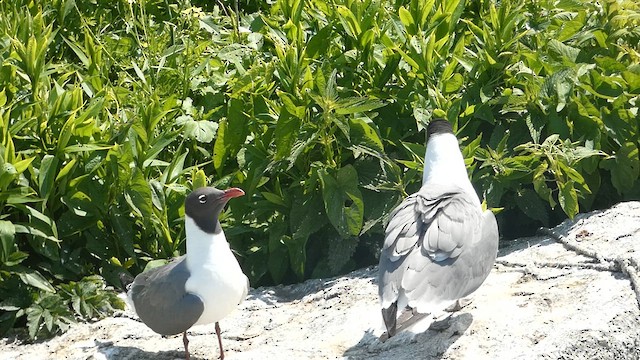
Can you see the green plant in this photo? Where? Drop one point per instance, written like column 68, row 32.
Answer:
column 314, row 108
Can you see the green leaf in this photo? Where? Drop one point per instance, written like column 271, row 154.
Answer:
column 307, row 215
column 349, row 21
column 570, row 28
column 407, row 20
column 123, row 228
column 157, row 195
column 176, row 167
column 343, row 200
column 278, row 262
column 15, row 258
column 138, row 196
column 365, row 134
column 540, row 184
column 47, row 174
column 232, row 133
column 65, row 134
column 453, row 84
column 8, row 173
column 22, row 165
column 568, row 198
column 203, row 131
column 34, row 278
column 624, row 167
column 354, row 105
column 199, row 179
column 158, row 145
column 531, row 204
column 317, row 44
column 286, row 133
column 220, row 149
column 86, row 148
column 7, row 235
column 297, row 255
column 273, row 198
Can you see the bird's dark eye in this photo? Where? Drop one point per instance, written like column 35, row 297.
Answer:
column 202, row 199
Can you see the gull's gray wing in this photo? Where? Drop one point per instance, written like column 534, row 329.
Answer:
column 438, row 247
column 161, row 301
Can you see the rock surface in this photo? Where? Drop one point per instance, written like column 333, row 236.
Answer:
column 547, row 298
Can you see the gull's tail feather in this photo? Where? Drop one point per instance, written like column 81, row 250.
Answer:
column 389, row 315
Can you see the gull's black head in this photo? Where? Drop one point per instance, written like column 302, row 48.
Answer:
column 204, row 205
column 439, row 126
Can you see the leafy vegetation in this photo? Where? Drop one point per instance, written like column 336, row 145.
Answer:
column 113, row 111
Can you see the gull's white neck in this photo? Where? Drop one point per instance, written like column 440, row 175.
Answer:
column 215, row 275
column 444, row 164
column 203, row 247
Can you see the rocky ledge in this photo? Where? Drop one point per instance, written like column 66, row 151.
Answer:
column 569, row 293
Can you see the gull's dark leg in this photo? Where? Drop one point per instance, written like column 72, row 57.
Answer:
column 219, row 341
column 185, row 341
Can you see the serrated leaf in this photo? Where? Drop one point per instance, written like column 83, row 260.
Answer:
column 354, row 105
column 203, row 131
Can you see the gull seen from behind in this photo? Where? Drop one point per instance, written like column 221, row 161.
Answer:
column 439, row 244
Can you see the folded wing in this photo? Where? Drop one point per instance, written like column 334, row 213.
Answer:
column 161, row 301
column 438, row 247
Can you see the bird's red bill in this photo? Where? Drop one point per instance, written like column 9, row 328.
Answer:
column 233, row 192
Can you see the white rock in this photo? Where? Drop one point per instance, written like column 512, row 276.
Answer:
column 534, row 311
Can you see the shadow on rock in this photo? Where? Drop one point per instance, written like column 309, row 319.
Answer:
column 114, row 352
column 310, row 289
column 428, row 345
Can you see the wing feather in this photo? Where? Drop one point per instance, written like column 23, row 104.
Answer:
column 431, row 245
column 161, row 301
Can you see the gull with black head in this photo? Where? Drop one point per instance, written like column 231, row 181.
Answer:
column 439, row 244
column 200, row 287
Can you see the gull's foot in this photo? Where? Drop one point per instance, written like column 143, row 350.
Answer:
column 459, row 304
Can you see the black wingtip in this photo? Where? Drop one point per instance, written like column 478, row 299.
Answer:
column 389, row 316
column 125, row 280
column 439, row 126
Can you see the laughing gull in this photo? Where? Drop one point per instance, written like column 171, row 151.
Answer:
column 439, row 245
column 200, row 287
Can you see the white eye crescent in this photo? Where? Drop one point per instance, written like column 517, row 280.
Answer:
column 202, row 199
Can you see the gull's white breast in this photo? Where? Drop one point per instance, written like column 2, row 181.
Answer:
column 216, row 276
